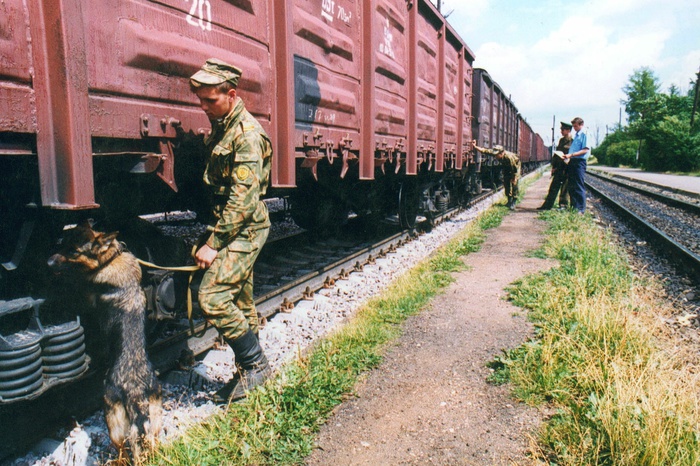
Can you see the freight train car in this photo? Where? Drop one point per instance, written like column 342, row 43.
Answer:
column 543, row 152
column 526, row 141
column 381, row 94
column 497, row 122
column 368, row 105
column 534, row 153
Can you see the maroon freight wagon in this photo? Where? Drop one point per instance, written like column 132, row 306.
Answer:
column 496, row 119
column 496, row 122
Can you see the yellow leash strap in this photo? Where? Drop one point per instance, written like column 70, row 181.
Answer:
column 185, row 268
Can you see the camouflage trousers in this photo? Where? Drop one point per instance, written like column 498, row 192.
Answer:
column 510, row 185
column 226, row 290
column 557, row 187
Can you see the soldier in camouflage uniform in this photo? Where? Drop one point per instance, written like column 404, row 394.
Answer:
column 237, row 173
column 558, row 185
column 510, row 164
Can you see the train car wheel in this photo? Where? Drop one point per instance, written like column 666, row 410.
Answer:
column 409, row 198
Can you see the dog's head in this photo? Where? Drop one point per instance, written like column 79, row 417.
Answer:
column 84, row 250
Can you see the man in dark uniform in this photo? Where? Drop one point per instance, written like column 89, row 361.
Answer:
column 237, row 173
column 510, row 164
column 558, row 185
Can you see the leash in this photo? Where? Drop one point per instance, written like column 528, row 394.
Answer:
column 185, row 268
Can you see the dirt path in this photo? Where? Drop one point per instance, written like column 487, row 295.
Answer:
column 429, row 403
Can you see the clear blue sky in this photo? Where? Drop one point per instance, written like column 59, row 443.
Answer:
column 569, row 59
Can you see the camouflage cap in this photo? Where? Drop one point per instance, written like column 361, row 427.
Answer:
column 565, row 125
column 498, row 148
column 215, row 72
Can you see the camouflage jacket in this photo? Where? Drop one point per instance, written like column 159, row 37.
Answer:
column 510, row 163
column 238, row 173
column 563, row 145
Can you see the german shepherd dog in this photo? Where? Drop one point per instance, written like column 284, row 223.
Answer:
column 111, row 275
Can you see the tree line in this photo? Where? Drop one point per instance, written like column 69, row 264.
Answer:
column 663, row 129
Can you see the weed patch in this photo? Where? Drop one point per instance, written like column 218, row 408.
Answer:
column 621, row 395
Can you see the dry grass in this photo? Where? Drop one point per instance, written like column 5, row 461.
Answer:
column 623, row 389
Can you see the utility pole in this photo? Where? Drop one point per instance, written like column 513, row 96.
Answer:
column 439, row 5
column 619, row 123
column 554, row 124
column 695, row 100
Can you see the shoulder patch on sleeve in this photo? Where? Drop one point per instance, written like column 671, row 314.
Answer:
column 242, row 172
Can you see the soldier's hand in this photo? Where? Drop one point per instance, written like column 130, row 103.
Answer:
column 205, row 256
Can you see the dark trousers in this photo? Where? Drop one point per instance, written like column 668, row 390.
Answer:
column 557, row 186
column 577, row 190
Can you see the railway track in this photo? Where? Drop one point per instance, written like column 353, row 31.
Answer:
column 670, row 224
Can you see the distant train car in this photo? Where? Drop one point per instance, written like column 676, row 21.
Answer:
column 543, row 152
column 497, row 122
column 526, row 141
column 496, row 117
column 533, row 152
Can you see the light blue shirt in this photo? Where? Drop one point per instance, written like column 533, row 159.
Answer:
column 580, row 142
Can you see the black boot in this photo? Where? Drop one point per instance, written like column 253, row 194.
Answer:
column 253, row 368
column 511, row 203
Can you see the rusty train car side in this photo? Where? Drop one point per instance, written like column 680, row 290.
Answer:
column 371, row 106
column 497, row 121
column 496, row 116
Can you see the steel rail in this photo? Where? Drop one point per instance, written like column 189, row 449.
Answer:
column 665, row 243
column 668, row 200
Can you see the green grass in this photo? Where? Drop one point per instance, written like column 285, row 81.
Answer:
column 277, row 423
column 621, row 394
column 684, row 173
